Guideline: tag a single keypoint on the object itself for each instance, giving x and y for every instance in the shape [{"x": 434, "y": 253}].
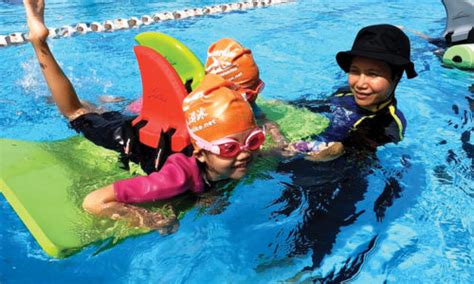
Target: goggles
[
  {"x": 251, "y": 94},
  {"x": 228, "y": 147}
]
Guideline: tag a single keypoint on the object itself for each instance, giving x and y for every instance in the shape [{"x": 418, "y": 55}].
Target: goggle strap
[
  {"x": 203, "y": 144},
  {"x": 241, "y": 53}
]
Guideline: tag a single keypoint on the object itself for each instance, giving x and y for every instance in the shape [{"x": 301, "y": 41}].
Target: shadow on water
[
  {"x": 328, "y": 193},
  {"x": 459, "y": 163}
]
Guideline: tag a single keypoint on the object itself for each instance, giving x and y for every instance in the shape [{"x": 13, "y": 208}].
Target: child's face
[
  {"x": 219, "y": 168},
  {"x": 370, "y": 81}
]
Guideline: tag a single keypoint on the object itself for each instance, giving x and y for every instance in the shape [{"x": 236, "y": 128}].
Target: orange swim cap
[
  {"x": 215, "y": 110},
  {"x": 230, "y": 60}
]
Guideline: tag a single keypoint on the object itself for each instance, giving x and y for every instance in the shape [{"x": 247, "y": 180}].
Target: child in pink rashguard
[
  {"x": 224, "y": 135},
  {"x": 219, "y": 119}
]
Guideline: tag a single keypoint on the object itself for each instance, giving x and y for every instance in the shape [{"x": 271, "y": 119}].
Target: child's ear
[{"x": 199, "y": 155}]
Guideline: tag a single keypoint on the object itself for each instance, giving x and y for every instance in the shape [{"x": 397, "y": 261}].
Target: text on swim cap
[
  {"x": 222, "y": 53},
  {"x": 197, "y": 115},
  {"x": 192, "y": 97},
  {"x": 204, "y": 125}
]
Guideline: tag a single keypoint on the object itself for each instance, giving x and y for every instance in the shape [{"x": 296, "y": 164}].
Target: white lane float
[{"x": 136, "y": 22}]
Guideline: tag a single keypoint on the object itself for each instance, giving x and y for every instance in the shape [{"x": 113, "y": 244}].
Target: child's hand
[
  {"x": 295, "y": 148},
  {"x": 157, "y": 221},
  {"x": 316, "y": 151},
  {"x": 307, "y": 147},
  {"x": 141, "y": 217},
  {"x": 326, "y": 152},
  {"x": 290, "y": 150},
  {"x": 170, "y": 229}
]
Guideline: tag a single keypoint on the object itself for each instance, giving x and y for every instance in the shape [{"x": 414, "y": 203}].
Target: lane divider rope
[{"x": 18, "y": 38}]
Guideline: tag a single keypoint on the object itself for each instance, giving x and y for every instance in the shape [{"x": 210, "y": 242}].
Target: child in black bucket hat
[{"x": 364, "y": 115}]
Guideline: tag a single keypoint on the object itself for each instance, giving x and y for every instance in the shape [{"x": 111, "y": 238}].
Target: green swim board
[
  {"x": 295, "y": 123},
  {"x": 45, "y": 183}
]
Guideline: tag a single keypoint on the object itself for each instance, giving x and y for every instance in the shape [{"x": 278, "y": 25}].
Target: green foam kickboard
[
  {"x": 295, "y": 123},
  {"x": 45, "y": 183}
]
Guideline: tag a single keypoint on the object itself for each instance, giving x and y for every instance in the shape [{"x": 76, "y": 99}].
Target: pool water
[{"x": 405, "y": 216}]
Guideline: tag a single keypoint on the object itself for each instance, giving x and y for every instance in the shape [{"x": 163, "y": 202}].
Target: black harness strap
[{"x": 150, "y": 159}]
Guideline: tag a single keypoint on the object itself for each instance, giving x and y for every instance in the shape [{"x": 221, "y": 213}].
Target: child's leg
[{"x": 61, "y": 88}]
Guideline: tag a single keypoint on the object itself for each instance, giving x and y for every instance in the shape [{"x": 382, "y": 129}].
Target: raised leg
[{"x": 61, "y": 88}]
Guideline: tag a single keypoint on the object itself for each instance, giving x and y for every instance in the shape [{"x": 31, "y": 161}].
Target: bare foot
[{"x": 35, "y": 19}]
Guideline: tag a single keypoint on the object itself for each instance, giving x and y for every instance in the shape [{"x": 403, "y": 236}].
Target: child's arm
[
  {"x": 275, "y": 132},
  {"x": 270, "y": 127},
  {"x": 102, "y": 202},
  {"x": 179, "y": 174},
  {"x": 61, "y": 88}
]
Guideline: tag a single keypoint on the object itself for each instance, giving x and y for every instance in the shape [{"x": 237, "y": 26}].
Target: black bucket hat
[{"x": 382, "y": 42}]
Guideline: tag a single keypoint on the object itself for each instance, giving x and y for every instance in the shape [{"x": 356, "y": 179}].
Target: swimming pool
[{"x": 408, "y": 218}]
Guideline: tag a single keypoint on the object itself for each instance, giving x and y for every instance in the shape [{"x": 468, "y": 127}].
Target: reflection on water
[{"x": 330, "y": 192}]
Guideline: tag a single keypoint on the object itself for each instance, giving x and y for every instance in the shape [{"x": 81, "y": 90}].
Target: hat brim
[{"x": 344, "y": 59}]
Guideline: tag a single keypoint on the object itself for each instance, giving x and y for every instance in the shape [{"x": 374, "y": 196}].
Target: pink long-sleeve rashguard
[{"x": 179, "y": 174}]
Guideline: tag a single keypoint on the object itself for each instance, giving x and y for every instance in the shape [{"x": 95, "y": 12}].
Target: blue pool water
[{"x": 406, "y": 217}]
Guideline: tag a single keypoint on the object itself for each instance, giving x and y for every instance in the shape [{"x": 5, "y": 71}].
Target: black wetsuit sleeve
[
  {"x": 373, "y": 132},
  {"x": 393, "y": 132}
]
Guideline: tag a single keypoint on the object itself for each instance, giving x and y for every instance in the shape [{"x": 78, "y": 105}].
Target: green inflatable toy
[{"x": 460, "y": 56}]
